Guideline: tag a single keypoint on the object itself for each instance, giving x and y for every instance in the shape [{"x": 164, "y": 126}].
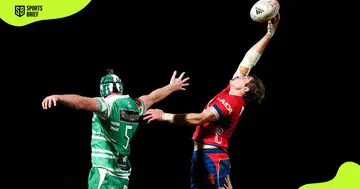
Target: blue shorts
[{"x": 209, "y": 168}]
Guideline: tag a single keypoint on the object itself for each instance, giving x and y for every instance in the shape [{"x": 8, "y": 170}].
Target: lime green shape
[
  {"x": 347, "y": 177},
  {"x": 24, "y": 12}
]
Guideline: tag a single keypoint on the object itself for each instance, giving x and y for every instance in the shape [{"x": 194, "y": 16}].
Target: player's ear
[{"x": 246, "y": 89}]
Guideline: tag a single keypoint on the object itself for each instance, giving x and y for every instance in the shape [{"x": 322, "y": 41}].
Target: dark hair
[
  {"x": 256, "y": 90},
  {"x": 110, "y": 71}
]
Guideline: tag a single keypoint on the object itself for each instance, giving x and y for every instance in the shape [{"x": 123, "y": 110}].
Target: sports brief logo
[
  {"x": 19, "y": 10},
  {"x": 28, "y": 11},
  {"x": 226, "y": 104}
]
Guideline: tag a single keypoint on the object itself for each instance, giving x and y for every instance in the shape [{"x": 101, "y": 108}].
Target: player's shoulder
[
  {"x": 236, "y": 102},
  {"x": 116, "y": 100},
  {"x": 235, "y": 99},
  {"x": 226, "y": 89},
  {"x": 100, "y": 100}
]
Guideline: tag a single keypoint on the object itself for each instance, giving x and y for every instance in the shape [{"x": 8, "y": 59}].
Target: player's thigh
[
  {"x": 217, "y": 167},
  {"x": 224, "y": 166},
  {"x": 204, "y": 172},
  {"x": 198, "y": 172}
]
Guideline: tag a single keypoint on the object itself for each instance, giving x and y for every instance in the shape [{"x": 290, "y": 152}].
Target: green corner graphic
[
  {"x": 347, "y": 177},
  {"x": 24, "y": 12}
]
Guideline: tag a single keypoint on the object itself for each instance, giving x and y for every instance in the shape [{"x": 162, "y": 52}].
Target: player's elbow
[
  {"x": 196, "y": 122},
  {"x": 201, "y": 119},
  {"x": 189, "y": 119},
  {"x": 88, "y": 104},
  {"x": 200, "y": 122}
]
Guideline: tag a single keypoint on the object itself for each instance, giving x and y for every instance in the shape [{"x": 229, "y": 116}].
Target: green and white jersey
[{"x": 113, "y": 127}]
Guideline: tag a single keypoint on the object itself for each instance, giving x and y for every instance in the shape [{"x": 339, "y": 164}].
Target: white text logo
[
  {"x": 226, "y": 104},
  {"x": 218, "y": 133}
]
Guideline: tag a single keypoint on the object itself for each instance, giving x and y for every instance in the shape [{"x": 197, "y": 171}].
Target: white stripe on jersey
[
  {"x": 103, "y": 156},
  {"x": 104, "y": 151},
  {"x": 115, "y": 123},
  {"x": 103, "y": 138},
  {"x": 115, "y": 170}
]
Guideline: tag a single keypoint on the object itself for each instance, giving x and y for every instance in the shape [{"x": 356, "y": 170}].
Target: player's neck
[
  {"x": 236, "y": 92},
  {"x": 113, "y": 94}
]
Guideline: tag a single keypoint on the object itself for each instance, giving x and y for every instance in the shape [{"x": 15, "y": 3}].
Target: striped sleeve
[{"x": 103, "y": 111}]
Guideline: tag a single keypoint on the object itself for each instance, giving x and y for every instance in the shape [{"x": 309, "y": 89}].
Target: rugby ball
[{"x": 264, "y": 10}]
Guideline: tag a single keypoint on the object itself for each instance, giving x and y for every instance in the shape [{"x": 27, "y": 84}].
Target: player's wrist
[
  {"x": 58, "y": 97},
  {"x": 167, "y": 117},
  {"x": 270, "y": 33},
  {"x": 170, "y": 87}
]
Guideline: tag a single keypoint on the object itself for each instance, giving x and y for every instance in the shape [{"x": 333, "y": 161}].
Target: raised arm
[
  {"x": 253, "y": 55},
  {"x": 189, "y": 119},
  {"x": 73, "y": 101},
  {"x": 161, "y": 93},
  {"x": 224, "y": 108}
]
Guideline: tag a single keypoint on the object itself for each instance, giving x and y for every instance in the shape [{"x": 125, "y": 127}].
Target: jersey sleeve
[
  {"x": 104, "y": 108},
  {"x": 226, "y": 107},
  {"x": 140, "y": 104}
]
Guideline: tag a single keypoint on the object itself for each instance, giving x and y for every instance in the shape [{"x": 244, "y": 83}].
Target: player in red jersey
[{"x": 216, "y": 123}]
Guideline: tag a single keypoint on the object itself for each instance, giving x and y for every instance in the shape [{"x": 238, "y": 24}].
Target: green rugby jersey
[{"x": 112, "y": 130}]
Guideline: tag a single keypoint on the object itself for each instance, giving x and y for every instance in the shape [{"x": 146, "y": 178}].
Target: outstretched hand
[
  {"x": 178, "y": 83},
  {"x": 272, "y": 24},
  {"x": 49, "y": 101},
  {"x": 153, "y": 114}
]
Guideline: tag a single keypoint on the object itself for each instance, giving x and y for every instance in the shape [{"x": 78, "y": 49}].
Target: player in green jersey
[{"x": 114, "y": 123}]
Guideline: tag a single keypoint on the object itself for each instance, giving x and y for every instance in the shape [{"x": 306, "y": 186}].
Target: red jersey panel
[{"x": 228, "y": 109}]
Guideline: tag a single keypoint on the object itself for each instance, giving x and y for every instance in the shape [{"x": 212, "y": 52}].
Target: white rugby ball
[{"x": 264, "y": 10}]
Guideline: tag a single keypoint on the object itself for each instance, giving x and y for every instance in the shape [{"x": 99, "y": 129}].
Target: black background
[{"x": 300, "y": 134}]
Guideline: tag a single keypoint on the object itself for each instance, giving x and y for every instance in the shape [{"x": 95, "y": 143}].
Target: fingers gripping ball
[{"x": 264, "y": 10}]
